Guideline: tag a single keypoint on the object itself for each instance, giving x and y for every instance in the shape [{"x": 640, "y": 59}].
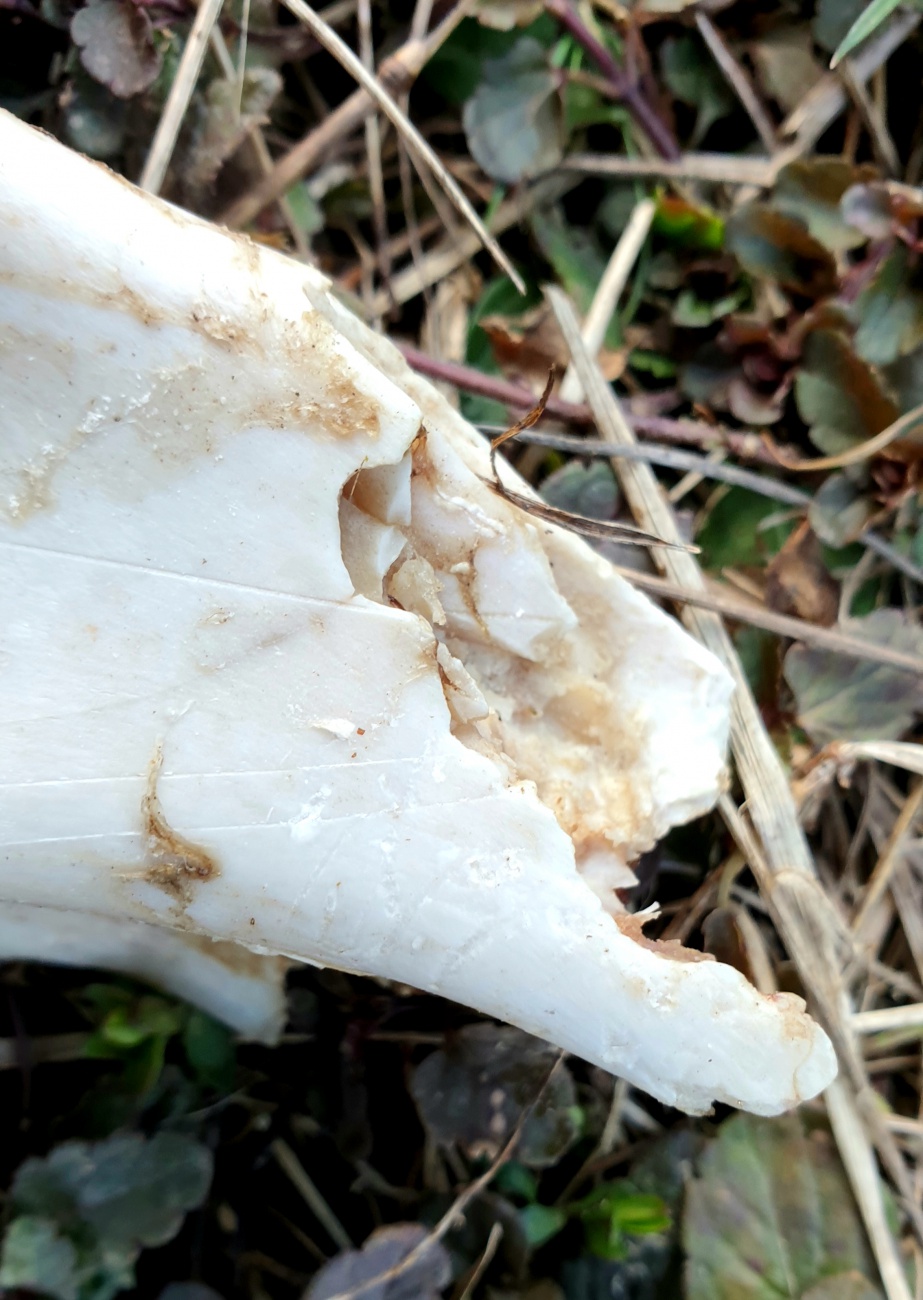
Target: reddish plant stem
[
  {"x": 621, "y": 86},
  {"x": 692, "y": 433}
]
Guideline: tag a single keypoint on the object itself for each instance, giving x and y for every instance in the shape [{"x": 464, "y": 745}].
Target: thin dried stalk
[
  {"x": 397, "y": 72},
  {"x": 689, "y": 462},
  {"x": 373, "y": 148},
  {"x": 883, "y": 145},
  {"x": 778, "y": 853},
  {"x": 25, "y": 1052},
  {"x": 723, "y": 169},
  {"x": 259, "y": 145},
  {"x": 887, "y": 1019},
  {"x": 748, "y": 446},
  {"x": 447, "y": 257},
  {"x": 738, "y": 80},
  {"x": 609, "y": 290},
  {"x": 419, "y": 25},
  {"x": 827, "y": 98},
  {"x": 455, "y": 1211},
  {"x": 772, "y": 809},
  {"x": 242, "y": 53},
  {"x": 747, "y": 611},
  {"x": 493, "y": 1241},
  {"x": 888, "y": 860},
  {"x": 187, "y": 74},
  {"x": 859, "y": 1162},
  {"x": 898, "y": 753},
  {"x": 899, "y": 428},
  {"x": 418, "y": 146},
  {"x": 293, "y": 1169}
]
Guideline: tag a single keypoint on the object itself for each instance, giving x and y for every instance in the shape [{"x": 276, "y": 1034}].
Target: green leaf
[
  {"x": 129, "y": 1190},
  {"x": 868, "y": 21},
  {"x": 779, "y": 248},
  {"x": 584, "y": 106},
  {"x": 209, "y": 1048},
  {"x": 589, "y": 490},
  {"x": 576, "y": 258},
  {"x": 456, "y": 69},
  {"x": 839, "y": 396},
  {"x": 513, "y": 120},
  {"x": 148, "y": 1017},
  {"x": 811, "y": 189},
  {"x": 650, "y": 363},
  {"x": 541, "y": 1222},
  {"x": 839, "y": 510},
  {"x": 514, "y": 1179},
  {"x": 35, "y": 1257},
  {"x": 617, "y": 1210},
  {"x": 604, "y": 1237},
  {"x": 838, "y": 698},
  {"x": 306, "y": 210},
  {"x": 770, "y": 1215},
  {"x": 785, "y": 59},
  {"x": 732, "y": 534},
  {"x": 692, "y": 312},
  {"x": 95, "y": 121},
  {"x": 889, "y": 313},
  {"x": 694, "y": 78},
  {"x": 833, "y": 19},
  {"x": 688, "y": 225}
]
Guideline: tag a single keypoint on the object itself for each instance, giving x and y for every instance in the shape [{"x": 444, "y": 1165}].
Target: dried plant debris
[{"x": 292, "y": 670}]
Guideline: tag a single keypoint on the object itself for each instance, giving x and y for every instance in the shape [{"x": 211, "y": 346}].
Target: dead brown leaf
[
  {"x": 529, "y": 345},
  {"x": 799, "y": 583}
]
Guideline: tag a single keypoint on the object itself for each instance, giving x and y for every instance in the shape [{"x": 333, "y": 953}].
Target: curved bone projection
[{"x": 280, "y": 669}]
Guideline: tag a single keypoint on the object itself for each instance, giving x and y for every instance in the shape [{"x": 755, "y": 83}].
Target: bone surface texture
[{"x": 280, "y": 670}]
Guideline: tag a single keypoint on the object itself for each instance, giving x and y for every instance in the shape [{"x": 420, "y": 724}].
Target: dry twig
[
  {"x": 723, "y": 169},
  {"x": 418, "y": 146},
  {"x": 898, "y": 429},
  {"x": 294, "y": 1170},
  {"x": 187, "y": 74},
  {"x": 747, "y": 611},
  {"x": 888, "y": 860},
  {"x": 737, "y": 79},
  {"x": 397, "y": 73},
  {"x": 777, "y": 852},
  {"x": 609, "y": 289}
]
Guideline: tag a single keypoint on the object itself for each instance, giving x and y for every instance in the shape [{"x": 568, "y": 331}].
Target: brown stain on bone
[
  {"x": 176, "y": 865},
  {"x": 632, "y": 926},
  {"x": 179, "y": 414},
  {"x": 345, "y": 411}
]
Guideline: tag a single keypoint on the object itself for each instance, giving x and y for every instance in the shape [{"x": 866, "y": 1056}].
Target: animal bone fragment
[{"x": 278, "y": 669}]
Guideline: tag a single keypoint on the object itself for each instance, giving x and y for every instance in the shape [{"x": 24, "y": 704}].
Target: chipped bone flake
[{"x": 393, "y": 715}]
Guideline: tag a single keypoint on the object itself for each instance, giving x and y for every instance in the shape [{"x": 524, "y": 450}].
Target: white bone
[{"x": 214, "y": 482}]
